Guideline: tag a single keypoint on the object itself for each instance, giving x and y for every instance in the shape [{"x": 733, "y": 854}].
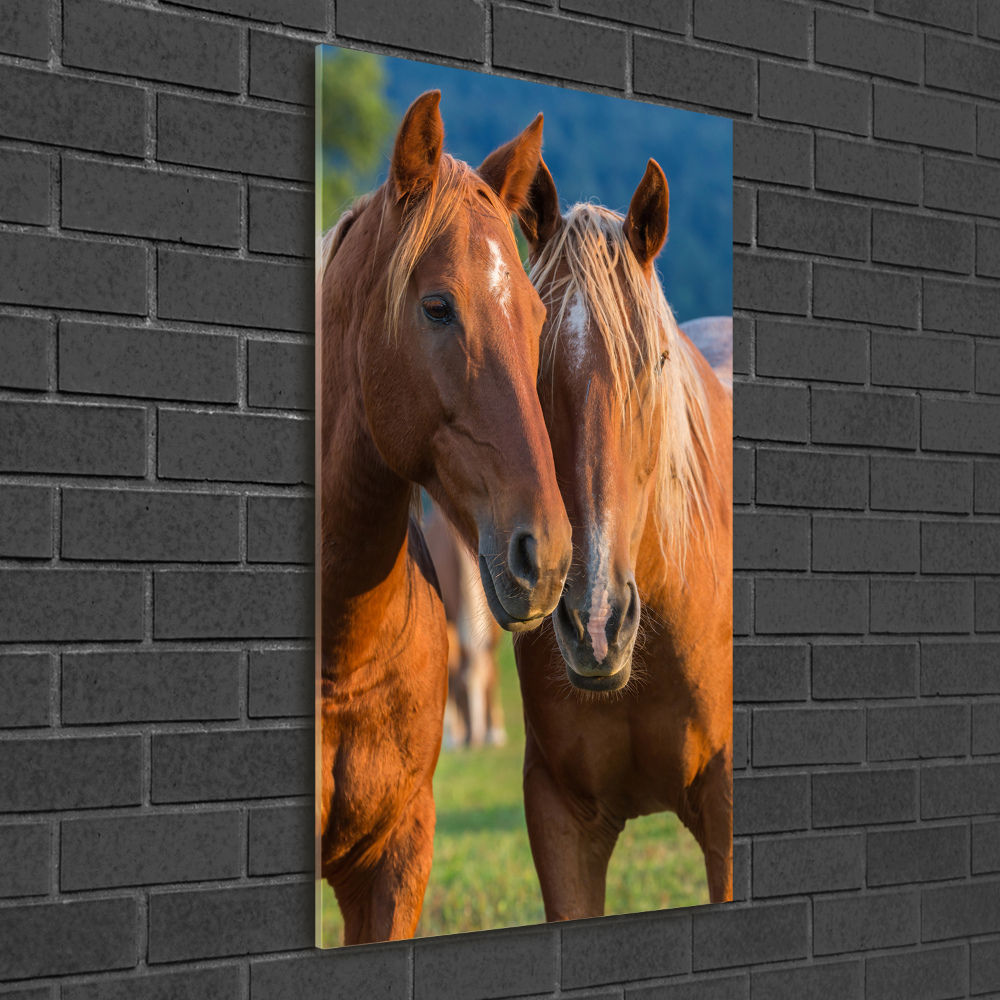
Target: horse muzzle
[
  {"x": 597, "y": 640},
  {"x": 525, "y": 588}
]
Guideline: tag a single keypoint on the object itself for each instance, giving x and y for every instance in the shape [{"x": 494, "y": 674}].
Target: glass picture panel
[{"x": 524, "y": 502}]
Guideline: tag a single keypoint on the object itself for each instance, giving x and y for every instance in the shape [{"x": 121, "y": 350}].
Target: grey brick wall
[{"x": 156, "y": 499}]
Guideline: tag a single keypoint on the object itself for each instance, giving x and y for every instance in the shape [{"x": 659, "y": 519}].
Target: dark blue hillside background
[{"x": 597, "y": 148}]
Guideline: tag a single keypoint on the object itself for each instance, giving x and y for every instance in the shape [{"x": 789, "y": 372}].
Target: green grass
[{"x": 483, "y": 876}]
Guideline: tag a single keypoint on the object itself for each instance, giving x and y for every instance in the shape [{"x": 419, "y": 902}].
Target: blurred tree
[{"x": 356, "y": 123}]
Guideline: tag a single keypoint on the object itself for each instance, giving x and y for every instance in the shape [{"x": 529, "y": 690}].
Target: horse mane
[
  {"x": 425, "y": 218},
  {"x": 601, "y": 272},
  {"x": 328, "y": 243}
]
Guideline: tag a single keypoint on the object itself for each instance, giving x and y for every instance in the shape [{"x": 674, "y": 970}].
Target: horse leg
[
  {"x": 497, "y": 731},
  {"x": 711, "y": 821},
  {"x": 571, "y": 843},
  {"x": 462, "y": 697},
  {"x": 386, "y": 905},
  {"x": 450, "y": 738},
  {"x": 476, "y": 686}
]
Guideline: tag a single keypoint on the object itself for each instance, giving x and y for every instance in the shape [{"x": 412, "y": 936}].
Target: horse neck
[{"x": 365, "y": 505}]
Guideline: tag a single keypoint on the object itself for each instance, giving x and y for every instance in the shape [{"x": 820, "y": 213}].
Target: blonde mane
[
  {"x": 425, "y": 219},
  {"x": 600, "y": 269}
]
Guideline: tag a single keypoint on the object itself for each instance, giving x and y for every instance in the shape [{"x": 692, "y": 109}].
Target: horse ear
[
  {"x": 539, "y": 217},
  {"x": 646, "y": 223},
  {"x": 417, "y": 153},
  {"x": 510, "y": 169}
]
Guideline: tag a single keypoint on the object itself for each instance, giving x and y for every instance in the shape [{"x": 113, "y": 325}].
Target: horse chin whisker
[{"x": 638, "y": 679}]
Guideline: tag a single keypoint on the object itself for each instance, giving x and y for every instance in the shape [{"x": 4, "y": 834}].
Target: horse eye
[
  {"x": 663, "y": 359},
  {"x": 436, "y": 309}
]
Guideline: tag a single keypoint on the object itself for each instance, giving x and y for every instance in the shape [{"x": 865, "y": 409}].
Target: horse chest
[{"x": 638, "y": 753}]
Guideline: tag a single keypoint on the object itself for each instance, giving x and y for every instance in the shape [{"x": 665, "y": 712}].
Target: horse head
[
  {"x": 613, "y": 392},
  {"x": 447, "y": 352}
]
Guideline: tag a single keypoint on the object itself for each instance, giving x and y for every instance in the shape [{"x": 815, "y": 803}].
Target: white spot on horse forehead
[{"x": 499, "y": 277}]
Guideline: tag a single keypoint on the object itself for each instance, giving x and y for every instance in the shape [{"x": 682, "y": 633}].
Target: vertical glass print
[{"x": 524, "y": 502}]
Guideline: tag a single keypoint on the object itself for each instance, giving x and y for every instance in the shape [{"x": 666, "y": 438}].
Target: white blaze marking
[
  {"x": 600, "y": 608},
  {"x": 577, "y": 320},
  {"x": 598, "y": 620},
  {"x": 499, "y": 278}
]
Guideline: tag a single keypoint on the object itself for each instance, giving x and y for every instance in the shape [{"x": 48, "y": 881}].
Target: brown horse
[
  {"x": 474, "y": 713},
  {"x": 429, "y": 332},
  {"x": 641, "y": 433}
]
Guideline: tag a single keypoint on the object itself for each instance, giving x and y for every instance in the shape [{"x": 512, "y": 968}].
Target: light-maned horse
[
  {"x": 635, "y": 716},
  {"x": 474, "y": 713},
  {"x": 428, "y": 355}
]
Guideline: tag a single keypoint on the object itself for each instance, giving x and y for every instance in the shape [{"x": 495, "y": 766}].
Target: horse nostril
[
  {"x": 522, "y": 559},
  {"x": 624, "y": 620},
  {"x": 570, "y": 620},
  {"x": 632, "y": 611}
]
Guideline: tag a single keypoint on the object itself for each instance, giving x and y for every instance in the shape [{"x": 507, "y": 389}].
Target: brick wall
[{"x": 155, "y": 497}]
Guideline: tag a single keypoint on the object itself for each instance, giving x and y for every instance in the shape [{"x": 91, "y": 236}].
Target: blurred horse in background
[
  {"x": 713, "y": 336},
  {"x": 474, "y": 713}
]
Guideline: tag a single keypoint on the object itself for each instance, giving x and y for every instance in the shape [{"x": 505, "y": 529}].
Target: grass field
[{"x": 483, "y": 876}]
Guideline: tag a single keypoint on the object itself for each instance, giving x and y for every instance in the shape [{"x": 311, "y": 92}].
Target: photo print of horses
[{"x": 524, "y": 505}]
